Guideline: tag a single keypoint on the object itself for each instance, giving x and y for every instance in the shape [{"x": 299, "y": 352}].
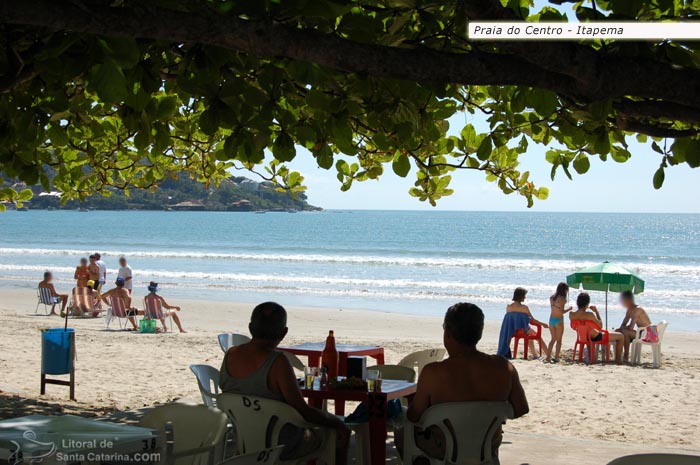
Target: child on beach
[
  {"x": 556, "y": 320},
  {"x": 517, "y": 306}
]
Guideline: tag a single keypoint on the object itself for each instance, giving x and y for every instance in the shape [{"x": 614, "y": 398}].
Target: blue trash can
[{"x": 56, "y": 351}]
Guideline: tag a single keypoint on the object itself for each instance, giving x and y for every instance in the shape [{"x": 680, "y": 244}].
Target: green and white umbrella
[{"x": 607, "y": 277}]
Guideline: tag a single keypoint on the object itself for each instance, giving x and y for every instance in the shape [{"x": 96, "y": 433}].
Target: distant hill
[{"x": 235, "y": 194}]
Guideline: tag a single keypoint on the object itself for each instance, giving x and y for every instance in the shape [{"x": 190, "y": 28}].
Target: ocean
[{"x": 412, "y": 262}]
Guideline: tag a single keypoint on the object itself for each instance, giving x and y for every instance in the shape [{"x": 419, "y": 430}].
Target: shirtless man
[
  {"x": 636, "y": 317},
  {"x": 62, "y": 298},
  {"x": 119, "y": 291},
  {"x": 466, "y": 375}
]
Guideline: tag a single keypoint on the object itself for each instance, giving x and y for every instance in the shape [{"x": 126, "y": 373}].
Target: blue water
[{"x": 408, "y": 262}]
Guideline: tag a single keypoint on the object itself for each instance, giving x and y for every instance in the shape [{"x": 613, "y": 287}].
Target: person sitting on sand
[
  {"x": 556, "y": 320},
  {"x": 635, "y": 317},
  {"x": 152, "y": 300},
  {"x": 257, "y": 368},
  {"x": 120, "y": 291},
  {"x": 82, "y": 275},
  {"x": 47, "y": 283},
  {"x": 80, "y": 307},
  {"x": 583, "y": 302},
  {"x": 466, "y": 375},
  {"x": 517, "y": 306}
]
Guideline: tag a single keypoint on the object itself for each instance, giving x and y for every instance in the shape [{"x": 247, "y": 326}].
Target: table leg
[
  {"x": 314, "y": 360},
  {"x": 380, "y": 357},
  {"x": 340, "y": 407},
  {"x": 377, "y": 427}
]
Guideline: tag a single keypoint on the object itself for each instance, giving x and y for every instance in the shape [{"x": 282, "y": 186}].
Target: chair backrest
[
  {"x": 258, "y": 421},
  {"x": 583, "y": 333},
  {"x": 468, "y": 427},
  {"x": 661, "y": 328},
  {"x": 657, "y": 459},
  {"x": 152, "y": 308},
  {"x": 228, "y": 340},
  {"x": 83, "y": 300},
  {"x": 194, "y": 434},
  {"x": 418, "y": 360},
  {"x": 208, "y": 381},
  {"x": 45, "y": 296},
  {"x": 266, "y": 456},
  {"x": 395, "y": 372},
  {"x": 118, "y": 306},
  {"x": 295, "y": 361}
]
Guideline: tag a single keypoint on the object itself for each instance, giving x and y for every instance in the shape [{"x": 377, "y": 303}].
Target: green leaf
[
  {"x": 209, "y": 121},
  {"x": 484, "y": 151},
  {"x": 401, "y": 165},
  {"x": 582, "y": 164},
  {"x": 25, "y": 195},
  {"x": 659, "y": 178},
  {"x": 108, "y": 80},
  {"x": 57, "y": 135},
  {"x": 283, "y": 148}
]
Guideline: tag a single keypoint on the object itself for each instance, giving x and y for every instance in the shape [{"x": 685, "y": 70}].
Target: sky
[{"x": 607, "y": 187}]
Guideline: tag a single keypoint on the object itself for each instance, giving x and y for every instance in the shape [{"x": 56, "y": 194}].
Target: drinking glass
[
  {"x": 374, "y": 380},
  {"x": 310, "y": 374}
]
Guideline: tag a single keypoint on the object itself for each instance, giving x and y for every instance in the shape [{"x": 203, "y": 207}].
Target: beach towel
[{"x": 511, "y": 323}]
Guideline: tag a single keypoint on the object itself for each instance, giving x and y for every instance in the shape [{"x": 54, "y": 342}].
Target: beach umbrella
[{"x": 608, "y": 277}]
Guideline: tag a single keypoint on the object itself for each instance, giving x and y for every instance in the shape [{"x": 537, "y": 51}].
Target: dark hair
[
  {"x": 627, "y": 295},
  {"x": 97, "y": 255},
  {"x": 92, "y": 257},
  {"x": 268, "y": 321},
  {"x": 83, "y": 260},
  {"x": 47, "y": 274},
  {"x": 562, "y": 290},
  {"x": 583, "y": 300},
  {"x": 465, "y": 323},
  {"x": 519, "y": 294}
]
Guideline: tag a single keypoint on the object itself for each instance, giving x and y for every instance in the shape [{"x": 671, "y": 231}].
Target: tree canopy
[{"x": 128, "y": 94}]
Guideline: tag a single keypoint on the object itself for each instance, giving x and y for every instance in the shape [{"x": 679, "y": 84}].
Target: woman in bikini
[
  {"x": 517, "y": 306},
  {"x": 556, "y": 319},
  {"x": 82, "y": 275},
  {"x": 596, "y": 330}
]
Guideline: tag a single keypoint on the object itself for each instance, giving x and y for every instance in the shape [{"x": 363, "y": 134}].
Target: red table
[
  {"x": 376, "y": 406},
  {"x": 313, "y": 351}
]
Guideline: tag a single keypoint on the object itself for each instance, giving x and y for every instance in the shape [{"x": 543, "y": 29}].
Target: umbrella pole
[{"x": 606, "y": 309}]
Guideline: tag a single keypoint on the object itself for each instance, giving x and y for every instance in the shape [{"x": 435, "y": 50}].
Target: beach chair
[
  {"x": 117, "y": 310},
  {"x": 418, "y": 360},
  {"x": 655, "y": 346},
  {"x": 397, "y": 372},
  {"x": 153, "y": 310},
  {"x": 522, "y": 334},
  {"x": 264, "y": 457},
  {"x": 259, "y": 421},
  {"x": 208, "y": 382},
  {"x": 83, "y": 304},
  {"x": 228, "y": 340},
  {"x": 657, "y": 459},
  {"x": 193, "y": 434},
  {"x": 469, "y": 428},
  {"x": 45, "y": 298},
  {"x": 583, "y": 340}
]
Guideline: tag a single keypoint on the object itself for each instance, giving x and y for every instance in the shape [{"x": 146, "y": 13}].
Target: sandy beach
[{"x": 609, "y": 405}]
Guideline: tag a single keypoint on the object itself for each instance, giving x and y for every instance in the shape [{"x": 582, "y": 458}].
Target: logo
[{"x": 32, "y": 449}]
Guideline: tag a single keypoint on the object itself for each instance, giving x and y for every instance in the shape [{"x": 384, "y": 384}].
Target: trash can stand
[{"x": 71, "y": 365}]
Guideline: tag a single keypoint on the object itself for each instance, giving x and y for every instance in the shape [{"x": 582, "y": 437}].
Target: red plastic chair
[
  {"x": 583, "y": 339},
  {"x": 522, "y": 334}
]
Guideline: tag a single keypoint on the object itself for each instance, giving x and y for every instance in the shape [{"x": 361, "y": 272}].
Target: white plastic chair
[
  {"x": 418, "y": 360},
  {"x": 655, "y": 346},
  {"x": 396, "y": 372},
  {"x": 44, "y": 297},
  {"x": 657, "y": 459},
  {"x": 228, "y": 340},
  {"x": 259, "y": 421},
  {"x": 194, "y": 434},
  {"x": 267, "y": 457},
  {"x": 469, "y": 428},
  {"x": 208, "y": 382}
]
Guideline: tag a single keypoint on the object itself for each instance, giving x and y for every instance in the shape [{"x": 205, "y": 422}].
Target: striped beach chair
[
  {"x": 153, "y": 310},
  {"x": 117, "y": 310},
  {"x": 83, "y": 303},
  {"x": 45, "y": 298}
]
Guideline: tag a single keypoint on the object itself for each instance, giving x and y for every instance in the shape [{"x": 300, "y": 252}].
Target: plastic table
[
  {"x": 313, "y": 350},
  {"x": 68, "y": 439},
  {"x": 376, "y": 406}
]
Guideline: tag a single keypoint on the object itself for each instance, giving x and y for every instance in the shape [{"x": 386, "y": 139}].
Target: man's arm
[
  {"x": 517, "y": 394},
  {"x": 53, "y": 290},
  {"x": 105, "y": 296},
  {"x": 421, "y": 401},
  {"x": 626, "y": 320},
  {"x": 286, "y": 381}
]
